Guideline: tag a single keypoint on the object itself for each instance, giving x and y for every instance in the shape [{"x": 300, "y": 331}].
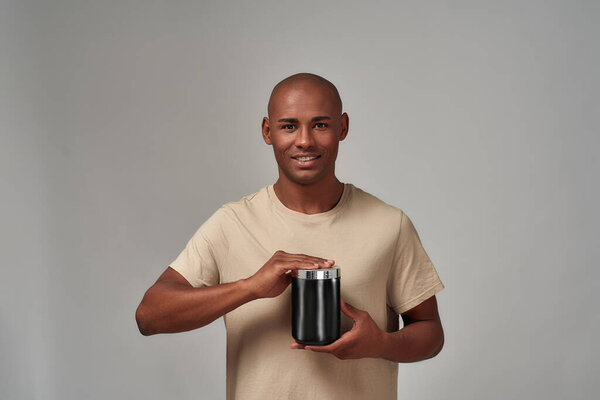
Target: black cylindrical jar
[{"x": 316, "y": 306}]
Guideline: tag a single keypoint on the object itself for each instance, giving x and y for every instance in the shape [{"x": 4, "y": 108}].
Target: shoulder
[
  {"x": 226, "y": 218},
  {"x": 250, "y": 204},
  {"x": 370, "y": 205}
]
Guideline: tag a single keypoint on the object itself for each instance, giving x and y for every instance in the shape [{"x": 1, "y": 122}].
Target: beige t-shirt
[{"x": 382, "y": 263}]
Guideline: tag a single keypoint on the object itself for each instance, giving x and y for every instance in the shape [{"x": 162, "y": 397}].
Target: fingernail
[{"x": 331, "y": 261}]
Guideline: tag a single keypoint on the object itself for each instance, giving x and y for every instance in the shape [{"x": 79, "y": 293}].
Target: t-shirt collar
[{"x": 309, "y": 217}]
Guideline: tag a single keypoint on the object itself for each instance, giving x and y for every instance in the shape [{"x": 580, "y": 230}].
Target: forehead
[{"x": 294, "y": 101}]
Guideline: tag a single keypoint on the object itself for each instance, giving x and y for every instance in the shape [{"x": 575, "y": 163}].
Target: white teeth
[{"x": 305, "y": 158}]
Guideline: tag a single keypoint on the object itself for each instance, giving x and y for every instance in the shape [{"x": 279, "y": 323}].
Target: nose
[{"x": 304, "y": 137}]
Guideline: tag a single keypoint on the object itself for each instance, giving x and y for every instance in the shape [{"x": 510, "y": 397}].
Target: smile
[
  {"x": 305, "y": 158},
  {"x": 306, "y": 161}
]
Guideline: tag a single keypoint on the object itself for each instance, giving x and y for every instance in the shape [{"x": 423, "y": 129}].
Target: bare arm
[
  {"x": 422, "y": 336},
  {"x": 173, "y": 305}
]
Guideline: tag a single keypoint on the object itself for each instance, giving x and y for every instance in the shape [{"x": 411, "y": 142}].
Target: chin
[
  {"x": 307, "y": 179},
  {"x": 303, "y": 179}
]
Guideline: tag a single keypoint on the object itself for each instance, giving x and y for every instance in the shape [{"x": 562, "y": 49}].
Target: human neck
[{"x": 314, "y": 198}]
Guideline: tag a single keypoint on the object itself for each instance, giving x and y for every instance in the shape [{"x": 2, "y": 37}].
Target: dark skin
[
  {"x": 173, "y": 305},
  {"x": 305, "y": 119},
  {"x": 421, "y": 337}
]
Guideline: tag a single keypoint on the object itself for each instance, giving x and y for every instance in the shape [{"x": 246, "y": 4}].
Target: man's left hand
[{"x": 365, "y": 339}]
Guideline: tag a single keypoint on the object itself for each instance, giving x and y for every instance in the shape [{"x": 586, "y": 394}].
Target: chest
[{"x": 364, "y": 256}]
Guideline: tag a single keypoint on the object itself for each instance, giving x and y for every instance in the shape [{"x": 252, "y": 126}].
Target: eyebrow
[{"x": 319, "y": 118}]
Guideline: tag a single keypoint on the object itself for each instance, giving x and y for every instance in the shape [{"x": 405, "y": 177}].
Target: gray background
[{"x": 125, "y": 124}]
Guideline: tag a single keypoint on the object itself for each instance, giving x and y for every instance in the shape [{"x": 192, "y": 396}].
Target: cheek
[
  {"x": 280, "y": 150},
  {"x": 280, "y": 143},
  {"x": 331, "y": 146}
]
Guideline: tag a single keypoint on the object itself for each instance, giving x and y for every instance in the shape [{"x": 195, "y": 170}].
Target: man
[{"x": 237, "y": 264}]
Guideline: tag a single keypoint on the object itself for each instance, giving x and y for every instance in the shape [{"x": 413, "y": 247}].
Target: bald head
[{"x": 302, "y": 80}]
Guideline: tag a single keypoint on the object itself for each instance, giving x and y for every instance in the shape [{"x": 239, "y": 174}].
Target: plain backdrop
[{"x": 126, "y": 124}]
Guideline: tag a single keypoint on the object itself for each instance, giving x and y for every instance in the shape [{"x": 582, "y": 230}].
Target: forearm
[
  {"x": 171, "y": 307},
  {"x": 417, "y": 341}
]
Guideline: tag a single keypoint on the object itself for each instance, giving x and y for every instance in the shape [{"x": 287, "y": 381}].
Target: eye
[
  {"x": 287, "y": 127},
  {"x": 320, "y": 125}
]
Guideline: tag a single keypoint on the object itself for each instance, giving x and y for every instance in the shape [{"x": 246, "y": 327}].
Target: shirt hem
[
  {"x": 420, "y": 298},
  {"x": 194, "y": 282}
]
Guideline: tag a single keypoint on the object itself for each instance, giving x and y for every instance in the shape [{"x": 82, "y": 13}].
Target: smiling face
[{"x": 305, "y": 126}]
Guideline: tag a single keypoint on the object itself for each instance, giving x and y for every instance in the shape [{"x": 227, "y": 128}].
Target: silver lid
[{"x": 324, "y": 273}]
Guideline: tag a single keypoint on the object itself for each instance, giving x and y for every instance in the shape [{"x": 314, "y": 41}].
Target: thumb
[{"x": 348, "y": 309}]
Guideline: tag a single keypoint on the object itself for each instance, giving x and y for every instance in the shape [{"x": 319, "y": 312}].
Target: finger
[
  {"x": 316, "y": 263},
  {"x": 305, "y": 265},
  {"x": 312, "y": 259},
  {"x": 333, "y": 347},
  {"x": 287, "y": 266},
  {"x": 296, "y": 345},
  {"x": 321, "y": 262},
  {"x": 322, "y": 349},
  {"x": 348, "y": 309},
  {"x": 300, "y": 265},
  {"x": 306, "y": 256}
]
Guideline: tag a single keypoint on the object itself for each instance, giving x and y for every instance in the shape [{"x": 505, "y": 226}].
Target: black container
[{"x": 316, "y": 306}]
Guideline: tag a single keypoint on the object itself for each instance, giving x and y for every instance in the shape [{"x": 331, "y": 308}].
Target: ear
[
  {"x": 266, "y": 131},
  {"x": 345, "y": 123}
]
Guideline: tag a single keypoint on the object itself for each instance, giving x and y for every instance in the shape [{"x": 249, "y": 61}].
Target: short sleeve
[
  {"x": 413, "y": 278},
  {"x": 199, "y": 261}
]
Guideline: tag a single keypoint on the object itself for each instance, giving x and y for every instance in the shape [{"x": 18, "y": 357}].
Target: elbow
[
  {"x": 439, "y": 345},
  {"x": 141, "y": 319}
]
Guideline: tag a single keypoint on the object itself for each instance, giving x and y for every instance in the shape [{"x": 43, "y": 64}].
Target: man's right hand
[
  {"x": 273, "y": 277},
  {"x": 173, "y": 305}
]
